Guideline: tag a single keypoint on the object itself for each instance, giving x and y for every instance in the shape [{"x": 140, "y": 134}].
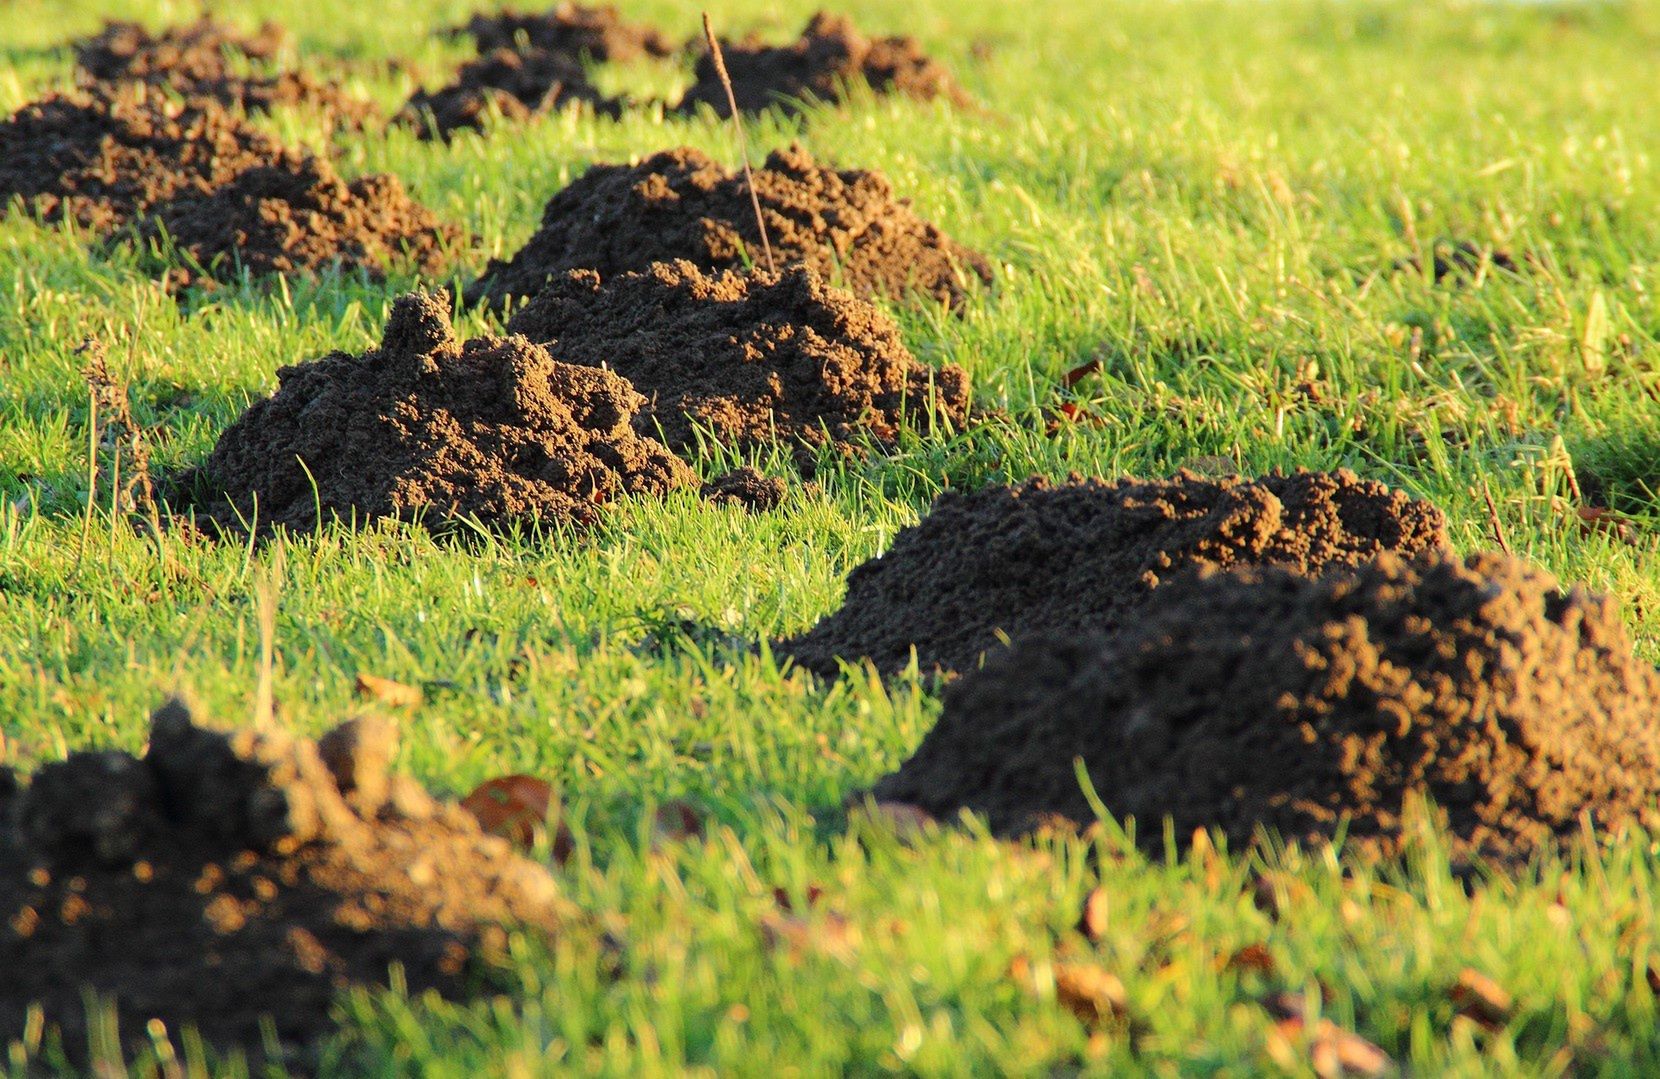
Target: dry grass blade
[
  {"x": 743, "y": 144},
  {"x": 1493, "y": 518}
]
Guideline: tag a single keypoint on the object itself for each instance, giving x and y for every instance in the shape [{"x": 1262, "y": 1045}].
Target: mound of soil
[
  {"x": 575, "y": 31},
  {"x": 680, "y": 204},
  {"x": 300, "y": 216},
  {"x": 517, "y": 84},
  {"x": 100, "y": 158},
  {"x": 818, "y": 67},
  {"x": 428, "y": 427},
  {"x": 195, "y": 61},
  {"x": 753, "y": 358},
  {"x": 747, "y": 487},
  {"x": 1086, "y": 554},
  {"x": 1265, "y": 698},
  {"x": 225, "y": 879}
]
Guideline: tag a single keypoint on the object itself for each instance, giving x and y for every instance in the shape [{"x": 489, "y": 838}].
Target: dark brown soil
[
  {"x": 428, "y": 427},
  {"x": 100, "y": 158},
  {"x": 680, "y": 204},
  {"x": 300, "y": 216},
  {"x": 1083, "y": 555},
  {"x": 1265, "y": 698},
  {"x": 748, "y": 487},
  {"x": 754, "y": 359},
  {"x": 225, "y": 879},
  {"x": 517, "y": 84},
  {"x": 195, "y": 60},
  {"x": 817, "y": 67},
  {"x": 575, "y": 31}
]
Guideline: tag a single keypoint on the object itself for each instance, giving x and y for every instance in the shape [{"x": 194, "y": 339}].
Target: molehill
[
  {"x": 753, "y": 358},
  {"x": 426, "y": 426},
  {"x": 516, "y": 84},
  {"x": 1079, "y": 556},
  {"x": 818, "y": 66},
  {"x": 680, "y": 204},
  {"x": 225, "y": 879},
  {"x": 575, "y": 31},
  {"x": 1266, "y": 698}
]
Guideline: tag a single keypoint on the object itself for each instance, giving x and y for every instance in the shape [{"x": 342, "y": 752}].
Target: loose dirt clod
[
  {"x": 817, "y": 67},
  {"x": 756, "y": 359},
  {"x": 748, "y": 487},
  {"x": 1082, "y": 555},
  {"x": 516, "y": 84},
  {"x": 426, "y": 426},
  {"x": 301, "y": 216},
  {"x": 680, "y": 204},
  {"x": 195, "y": 61},
  {"x": 1266, "y": 698},
  {"x": 101, "y": 157},
  {"x": 575, "y": 31},
  {"x": 227, "y": 879}
]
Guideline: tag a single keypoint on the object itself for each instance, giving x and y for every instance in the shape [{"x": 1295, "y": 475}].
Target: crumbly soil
[
  {"x": 754, "y": 359},
  {"x": 428, "y": 427},
  {"x": 747, "y": 487},
  {"x": 575, "y": 31},
  {"x": 1266, "y": 698},
  {"x": 680, "y": 204},
  {"x": 301, "y": 216},
  {"x": 1066, "y": 558},
  {"x": 101, "y": 157},
  {"x": 225, "y": 879},
  {"x": 818, "y": 67},
  {"x": 516, "y": 84},
  {"x": 195, "y": 60}
]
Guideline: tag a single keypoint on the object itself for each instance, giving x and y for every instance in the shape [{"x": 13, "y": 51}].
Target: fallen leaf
[
  {"x": 513, "y": 807},
  {"x": 1334, "y": 1052},
  {"x": 1481, "y": 1000},
  {"x": 1089, "y": 992},
  {"x": 1079, "y": 373},
  {"x": 782, "y": 897},
  {"x": 1253, "y": 957},
  {"x": 1602, "y": 519},
  {"x": 1093, "y": 922},
  {"x": 387, "y": 692}
]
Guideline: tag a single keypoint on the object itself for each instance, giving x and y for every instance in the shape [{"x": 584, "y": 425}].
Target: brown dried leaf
[
  {"x": 1079, "y": 373},
  {"x": 1482, "y": 1000},
  {"x": 1094, "y": 920},
  {"x": 782, "y": 897},
  {"x": 1253, "y": 957},
  {"x": 387, "y": 692},
  {"x": 1602, "y": 519},
  {"x": 1089, "y": 992}
]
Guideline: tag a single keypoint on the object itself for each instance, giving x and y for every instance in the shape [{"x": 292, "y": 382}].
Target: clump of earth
[
  {"x": 747, "y": 488},
  {"x": 680, "y": 204},
  {"x": 100, "y": 158},
  {"x": 514, "y": 84},
  {"x": 225, "y": 880},
  {"x": 1086, "y": 555},
  {"x": 1266, "y": 698},
  {"x": 196, "y": 60},
  {"x": 300, "y": 216},
  {"x": 432, "y": 428},
  {"x": 819, "y": 66},
  {"x": 575, "y": 31},
  {"x": 751, "y": 359}
]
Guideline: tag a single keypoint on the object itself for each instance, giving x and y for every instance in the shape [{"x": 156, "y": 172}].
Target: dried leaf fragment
[{"x": 385, "y": 691}]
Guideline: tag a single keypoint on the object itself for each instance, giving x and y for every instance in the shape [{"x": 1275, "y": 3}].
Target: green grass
[{"x": 1216, "y": 200}]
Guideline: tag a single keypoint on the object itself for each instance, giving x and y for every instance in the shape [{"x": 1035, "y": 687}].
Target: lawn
[{"x": 1233, "y": 207}]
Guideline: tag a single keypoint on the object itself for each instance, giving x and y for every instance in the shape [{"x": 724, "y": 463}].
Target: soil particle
[
  {"x": 753, "y": 358},
  {"x": 298, "y": 216},
  {"x": 228, "y": 878},
  {"x": 680, "y": 204},
  {"x": 195, "y": 60},
  {"x": 101, "y": 157},
  {"x": 1078, "y": 556},
  {"x": 516, "y": 84},
  {"x": 426, "y": 426},
  {"x": 746, "y": 487},
  {"x": 1264, "y": 697},
  {"x": 818, "y": 66},
  {"x": 575, "y": 31}
]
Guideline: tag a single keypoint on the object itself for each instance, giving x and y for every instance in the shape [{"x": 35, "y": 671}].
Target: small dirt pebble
[
  {"x": 755, "y": 359},
  {"x": 1263, "y": 697},
  {"x": 428, "y": 426},
  {"x": 1007, "y": 562},
  {"x": 680, "y": 204}
]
